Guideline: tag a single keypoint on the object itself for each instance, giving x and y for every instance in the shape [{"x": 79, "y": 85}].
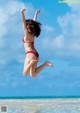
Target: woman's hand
[
  {"x": 23, "y": 10},
  {"x": 37, "y": 12}
]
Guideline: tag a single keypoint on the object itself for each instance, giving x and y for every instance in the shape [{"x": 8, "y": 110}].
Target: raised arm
[
  {"x": 35, "y": 16},
  {"x": 23, "y": 19}
]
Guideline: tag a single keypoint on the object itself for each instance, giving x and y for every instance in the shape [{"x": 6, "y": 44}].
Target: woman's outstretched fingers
[
  {"x": 23, "y": 10},
  {"x": 38, "y": 11}
]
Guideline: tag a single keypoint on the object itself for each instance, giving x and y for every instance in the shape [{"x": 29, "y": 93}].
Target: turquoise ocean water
[{"x": 40, "y": 105}]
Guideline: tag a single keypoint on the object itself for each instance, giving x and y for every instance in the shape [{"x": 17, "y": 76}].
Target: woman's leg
[
  {"x": 27, "y": 66},
  {"x": 34, "y": 70}
]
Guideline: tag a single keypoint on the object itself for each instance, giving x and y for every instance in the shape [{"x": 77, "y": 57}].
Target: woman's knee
[
  {"x": 24, "y": 73},
  {"x": 32, "y": 75}
]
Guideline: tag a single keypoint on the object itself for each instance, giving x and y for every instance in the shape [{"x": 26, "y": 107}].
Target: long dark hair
[{"x": 36, "y": 29}]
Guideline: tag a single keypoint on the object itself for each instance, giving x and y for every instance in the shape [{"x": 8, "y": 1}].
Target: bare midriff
[{"x": 29, "y": 47}]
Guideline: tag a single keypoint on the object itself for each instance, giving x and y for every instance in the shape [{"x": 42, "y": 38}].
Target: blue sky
[{"x": 58, "y": 43}]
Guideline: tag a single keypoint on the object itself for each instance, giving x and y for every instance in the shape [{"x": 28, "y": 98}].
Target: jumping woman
[{"x": 32, "y": 29}]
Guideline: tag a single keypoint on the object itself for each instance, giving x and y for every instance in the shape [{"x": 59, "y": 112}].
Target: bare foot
[{"x": 48, "y": 64}]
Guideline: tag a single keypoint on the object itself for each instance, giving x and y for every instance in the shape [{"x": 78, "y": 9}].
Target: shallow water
[{"x": 40, "y": 105}]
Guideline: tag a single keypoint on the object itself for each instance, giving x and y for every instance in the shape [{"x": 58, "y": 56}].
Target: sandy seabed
[{"x": 40, "y": 105}]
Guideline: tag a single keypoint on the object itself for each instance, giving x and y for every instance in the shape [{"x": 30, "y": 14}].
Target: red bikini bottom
[{"x": 33, "y": 52}]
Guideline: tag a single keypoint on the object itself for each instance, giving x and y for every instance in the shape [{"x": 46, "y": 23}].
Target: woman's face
[{"x": 30, "y": 28}]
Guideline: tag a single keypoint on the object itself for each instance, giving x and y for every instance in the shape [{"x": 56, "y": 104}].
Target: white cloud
[
  {"x": 70, "y": 23},
  {"x": 75, "y": 7},
  {"x": 48, "y": 28},
  {"x": 11, "y": 30},
  {"x": 68, "y": 42},
  {"x": 57, "y": 43}
]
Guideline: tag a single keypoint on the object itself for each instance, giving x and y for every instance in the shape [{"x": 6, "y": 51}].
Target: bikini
[{"x": 33, "y": 52}]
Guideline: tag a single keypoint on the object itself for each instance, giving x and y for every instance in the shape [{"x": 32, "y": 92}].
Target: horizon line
[{"x": 36, "y": 97}]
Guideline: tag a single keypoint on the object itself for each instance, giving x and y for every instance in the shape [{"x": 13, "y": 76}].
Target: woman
[{"x": 31, "y": 30}]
